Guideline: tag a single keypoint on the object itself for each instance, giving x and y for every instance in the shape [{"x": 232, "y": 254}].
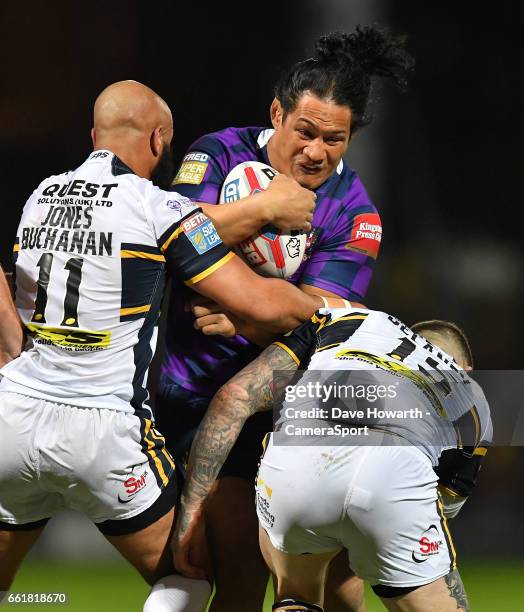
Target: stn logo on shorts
[
  {"x": 132, "y": 487},
  {"x": 428, "y": 545}
]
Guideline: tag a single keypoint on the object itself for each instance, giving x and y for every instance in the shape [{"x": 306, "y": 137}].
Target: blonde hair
[{"x": 448, "y": 336}]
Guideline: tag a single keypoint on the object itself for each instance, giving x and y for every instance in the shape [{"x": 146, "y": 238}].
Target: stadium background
[{"x": 441, "y": 163}]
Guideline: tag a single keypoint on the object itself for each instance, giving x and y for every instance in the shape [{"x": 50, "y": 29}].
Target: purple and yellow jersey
[{"x": 339, "y": 257}]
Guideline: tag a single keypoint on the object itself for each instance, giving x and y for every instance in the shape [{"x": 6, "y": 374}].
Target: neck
[{"x": 131, "y": 153}]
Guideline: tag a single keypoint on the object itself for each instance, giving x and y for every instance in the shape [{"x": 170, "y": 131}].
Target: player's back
[
  {"x": 89, "y": 280},
  {"x": 425, "y": 397}
]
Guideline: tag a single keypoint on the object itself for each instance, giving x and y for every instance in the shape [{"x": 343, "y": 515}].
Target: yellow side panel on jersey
[{"x": 77, "y": 339}]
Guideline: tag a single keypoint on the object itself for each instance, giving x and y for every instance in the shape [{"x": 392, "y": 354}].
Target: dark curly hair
[{"x": 342, "y": 68}]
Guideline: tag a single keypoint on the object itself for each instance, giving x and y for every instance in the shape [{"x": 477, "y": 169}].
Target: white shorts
[
  {"x": 380, "y": 503},
  {"x": 110, "y": 465}
]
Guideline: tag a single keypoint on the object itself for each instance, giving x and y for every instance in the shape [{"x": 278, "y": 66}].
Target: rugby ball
[{"x": 270, "y": 251}]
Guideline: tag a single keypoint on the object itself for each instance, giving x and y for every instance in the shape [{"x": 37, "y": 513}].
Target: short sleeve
[
  {"x": 185, "y": 236},
  {"x": 203, "y": 171},
  {"x": 344, "y": 258},
  {"x": 301, "y": 342}
]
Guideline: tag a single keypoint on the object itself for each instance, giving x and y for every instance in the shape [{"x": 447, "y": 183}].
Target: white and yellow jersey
[
  {"x": 91, "y": 255},
  {"x": 366, "y": 368}
]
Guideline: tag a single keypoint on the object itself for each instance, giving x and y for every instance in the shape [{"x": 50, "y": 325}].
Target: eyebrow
[{"x": 341, "y": 132}]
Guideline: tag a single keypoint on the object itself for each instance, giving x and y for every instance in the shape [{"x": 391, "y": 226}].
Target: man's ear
[
  {"x": 93, "y": 137},
  {"x": 156, "y": 142},
  {"x": 276, "y": 113}
]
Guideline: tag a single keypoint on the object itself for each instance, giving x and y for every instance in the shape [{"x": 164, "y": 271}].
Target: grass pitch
[{"x": 492, "y": 585}]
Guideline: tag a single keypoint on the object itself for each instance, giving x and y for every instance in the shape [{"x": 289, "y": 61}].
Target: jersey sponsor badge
[
  {"x": 201, "y": 233},
  {"x": 193, "y": 169},
  {"x": 366, "y": 234}
]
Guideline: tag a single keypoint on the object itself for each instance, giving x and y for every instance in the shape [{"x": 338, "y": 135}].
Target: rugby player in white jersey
[
  {"x": 384, "y": 498},
  {"x": 92, "y": 250}
]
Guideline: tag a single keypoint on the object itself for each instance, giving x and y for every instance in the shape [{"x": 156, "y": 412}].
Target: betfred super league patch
[
  {"x": 366, "y": 234},
  {"x": 201, "y": 232},
  {"x": 193, "y": 169}
]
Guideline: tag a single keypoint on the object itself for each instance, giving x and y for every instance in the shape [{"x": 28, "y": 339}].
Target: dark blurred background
[{"x": 443, "y": 162}]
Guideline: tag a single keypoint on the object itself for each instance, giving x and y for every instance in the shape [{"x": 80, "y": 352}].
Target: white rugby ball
[{"x": 270, "y": 251}]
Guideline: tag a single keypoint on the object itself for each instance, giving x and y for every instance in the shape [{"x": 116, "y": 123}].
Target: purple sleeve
[
  {"x": 342, "y": 262},
  {"x": 203, "y": 171}
]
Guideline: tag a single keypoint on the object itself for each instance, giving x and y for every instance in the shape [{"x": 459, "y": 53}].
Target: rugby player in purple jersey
[{"x": 319, "y": 104}]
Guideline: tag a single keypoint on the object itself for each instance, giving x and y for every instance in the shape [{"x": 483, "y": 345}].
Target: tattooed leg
[
  {"x": 457, "y": 590},
  {"x": 445, "y": 595}
]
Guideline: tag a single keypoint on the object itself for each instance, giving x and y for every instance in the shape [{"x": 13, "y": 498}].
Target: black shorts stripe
[
  {"x": 152, "y": 449},
  {"x": 24, "y": 526}
]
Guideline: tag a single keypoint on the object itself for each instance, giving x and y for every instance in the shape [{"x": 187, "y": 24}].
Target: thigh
[
  {"x": 445, "y": 595},
  {"x": 344, "y": 590},
  {"x": 14, "y": 546},
  {"x": 299, "y": 577},
  {"x": 232, "y": 528},
  {"x": 148, "y": 549}
]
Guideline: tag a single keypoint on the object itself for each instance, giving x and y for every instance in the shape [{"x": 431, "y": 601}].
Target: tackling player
[
  {"x": 92, "y": 250},
  {"x": 319, "y": 104},
  {"x": 377, "y": 499}
]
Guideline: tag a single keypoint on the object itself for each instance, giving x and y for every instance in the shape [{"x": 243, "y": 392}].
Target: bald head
[{"x": 133, "y": 122}]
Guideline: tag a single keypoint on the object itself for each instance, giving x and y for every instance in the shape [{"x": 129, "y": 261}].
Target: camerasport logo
[
  {"x": 429, "y": 544},
  {"x": 132, "y": 487},
  {"x": 366, "y": 234}
]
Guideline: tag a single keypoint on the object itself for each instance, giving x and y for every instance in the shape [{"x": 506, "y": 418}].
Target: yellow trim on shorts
[
  {"x": 481, "y": 450},
  {"x": 218, "y": 264},
  {"x": 164, "y": 450},
  {"x": 448, "y": 534},
  {"x": 289, "y": 352},
  {"x": 152, "y": 453},
  {"x": 134, "y": 310},
  {"x": 126, "y": 254}
]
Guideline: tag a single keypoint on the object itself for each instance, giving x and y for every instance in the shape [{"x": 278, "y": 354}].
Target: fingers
[{"x": 215, "y": 324}]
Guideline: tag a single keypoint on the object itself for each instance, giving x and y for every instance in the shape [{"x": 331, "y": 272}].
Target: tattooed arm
[{"x": 248, "y": 392}]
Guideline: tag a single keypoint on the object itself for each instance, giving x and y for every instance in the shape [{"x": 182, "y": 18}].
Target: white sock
[{"x": 177, "y": 593}]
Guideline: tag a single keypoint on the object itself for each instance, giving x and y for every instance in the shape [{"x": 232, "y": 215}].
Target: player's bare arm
[
  {"x": 211, "y": 320},
  {"x": 11, "y": 335},
  {"x": 285, "y": 204},
  {"x": 275, "y": 304},
  {"x": 248, "y": 392}
]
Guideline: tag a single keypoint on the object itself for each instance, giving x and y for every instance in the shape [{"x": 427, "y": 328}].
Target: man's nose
[{"x": 315, "y": 151}]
